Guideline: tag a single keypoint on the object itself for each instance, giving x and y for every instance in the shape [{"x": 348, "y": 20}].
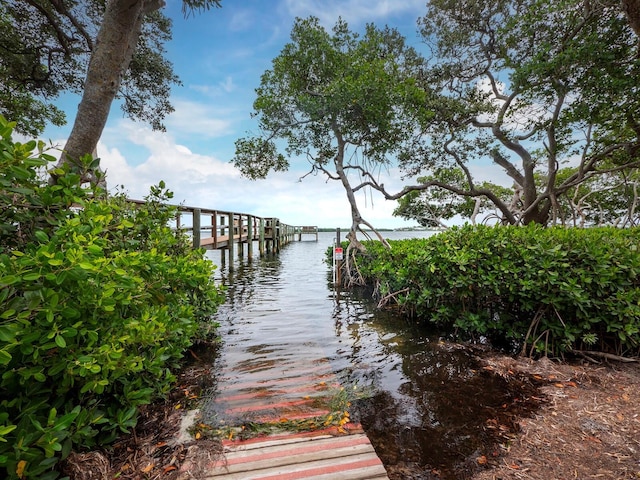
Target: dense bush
[
  {"x": 98, "y": 301},
  {"x": 550, "y": 289}
]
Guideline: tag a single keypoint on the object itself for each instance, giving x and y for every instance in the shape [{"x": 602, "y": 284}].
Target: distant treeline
[{"x": 346, "y": 229}]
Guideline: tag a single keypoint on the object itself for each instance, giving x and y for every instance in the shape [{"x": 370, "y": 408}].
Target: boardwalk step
[{"x": 350, "y": 458}]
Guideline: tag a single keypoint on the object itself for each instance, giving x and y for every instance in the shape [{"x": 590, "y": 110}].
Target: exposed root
[
  {"x": 392, "y": 296},
  {"x": 608, "y": 356}
]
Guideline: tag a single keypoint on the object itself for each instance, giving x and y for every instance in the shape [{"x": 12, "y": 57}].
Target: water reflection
[{"x": 431, "y": 412}]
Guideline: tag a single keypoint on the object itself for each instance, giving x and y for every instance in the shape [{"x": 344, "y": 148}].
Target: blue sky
[{"x": 219, "y": 56}]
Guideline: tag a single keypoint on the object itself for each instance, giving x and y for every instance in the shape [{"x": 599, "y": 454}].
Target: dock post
[
  {"x": 214, "y": 229},
  {"x": 269, "y": 234},
  {"x": 338, "y": 263},
  {"x": 222, "y": 229},
  {"x": 250, "y": 220},
  {"x": 232, "y": 235},
  {"x": 196, "y": 227},
  {"x": 261, "y": 239},
  {"x": 240, "y": 233}
]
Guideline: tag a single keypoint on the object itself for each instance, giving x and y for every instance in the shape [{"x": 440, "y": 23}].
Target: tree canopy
[
  {"x": 102, "y": 50},
  {"x": 45, "y": 50},
  {"x": 349, "y": 104},
  {"x": 532, "y": 87},
  {"x": 431, "y": 207}
]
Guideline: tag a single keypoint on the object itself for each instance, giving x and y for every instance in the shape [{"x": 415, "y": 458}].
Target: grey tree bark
[
  {"x": 631, "y": 9},
  {"x": 114, "y": 49}
]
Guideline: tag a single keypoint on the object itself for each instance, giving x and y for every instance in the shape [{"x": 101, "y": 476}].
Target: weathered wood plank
[
  {"x": 240, "y": 454},
  {"x": 325, "y": 457},
  {"x": 329, "y": 471},
  {"x": 298, "y": 459}
]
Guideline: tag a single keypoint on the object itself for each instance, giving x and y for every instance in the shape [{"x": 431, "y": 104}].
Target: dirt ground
[{"x": 587, "y": 427}]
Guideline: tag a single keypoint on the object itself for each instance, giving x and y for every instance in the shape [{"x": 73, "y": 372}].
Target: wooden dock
[{"x": 221, "y": 230}]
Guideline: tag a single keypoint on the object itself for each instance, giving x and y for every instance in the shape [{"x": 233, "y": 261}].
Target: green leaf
[
  {"x": 31, "y": 277},
  {"x": 5, "y": 357},
  {"x": 60, "y": 341},
  {"x": 64, "y": 422},
  {"x": 41, "y": 236},
  {"x": 8, "y": 333},
  {"x": 9, "y": 280},
  {"x": 5, "y": 430}
]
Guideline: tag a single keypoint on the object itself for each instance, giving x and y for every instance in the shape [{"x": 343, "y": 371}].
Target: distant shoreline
[{"x": 403, "y": 229}]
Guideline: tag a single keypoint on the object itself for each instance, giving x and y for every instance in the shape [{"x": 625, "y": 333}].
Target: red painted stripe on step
[
  {"x": 267, "y": 406},
  {"x": 292, "y": 416},
  {"x": 349, "y": 428},
  {"x": 372, "y": 462},
  {"x": 310, "y": 379},
  {"x": 281, "y": 370},
  {"x": 269, "y": 392},
  {"x": 301, "y": 449}
]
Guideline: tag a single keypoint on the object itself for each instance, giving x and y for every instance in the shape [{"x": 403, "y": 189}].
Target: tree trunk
[
  {"x": 351, "y": 278},
  {"x": 114, "y": 48},
  {"x": 356, "y": 218},
  {"x": 631, "y": 9}
]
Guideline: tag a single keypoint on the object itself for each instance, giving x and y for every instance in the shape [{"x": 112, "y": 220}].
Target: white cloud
[
  {"x": 241, "y": 20},
  {"x": 353, "y": 11},
  {"x": 197, "y": 118},
  {"x": 221, "y": 88},
  {"x": 207, "y": 182},
  {"x": 228, "y": 85}
]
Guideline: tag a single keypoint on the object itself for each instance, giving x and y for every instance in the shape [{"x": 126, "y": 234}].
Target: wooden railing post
[
  {"x": 196, "y": 227},
  {"x": 232, "y": 235},
  {"x": 240, "y": 235},
  {"x": 250, "y": 220},
  {"x": 214, "y": 229}
]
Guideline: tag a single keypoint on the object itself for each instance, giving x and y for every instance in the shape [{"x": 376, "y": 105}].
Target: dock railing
[
  {"x": 307, "y": 230},
  {"x": 223, "y": 230}
]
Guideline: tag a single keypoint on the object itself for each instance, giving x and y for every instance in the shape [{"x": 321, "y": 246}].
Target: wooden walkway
[
  {"x": 300, "y": 456},
  {"x": 270, "y": 393}
]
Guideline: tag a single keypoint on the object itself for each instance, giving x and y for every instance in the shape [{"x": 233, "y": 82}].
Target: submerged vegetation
[
  {"x": 336, "y": 402},
  {"x": 542, "y": 291},
  {"x": 99, "y": 299}
]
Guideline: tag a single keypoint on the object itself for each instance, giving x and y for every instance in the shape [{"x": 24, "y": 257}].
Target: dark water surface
[{"x": 429, "y": 410}]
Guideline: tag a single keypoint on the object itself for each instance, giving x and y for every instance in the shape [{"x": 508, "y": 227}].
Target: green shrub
[
  {"x": 553, "y": 289},
  {"x": 99, "y": 300}
]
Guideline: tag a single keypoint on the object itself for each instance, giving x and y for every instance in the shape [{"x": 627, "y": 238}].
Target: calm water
[{"x": 430, "y": 411}]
